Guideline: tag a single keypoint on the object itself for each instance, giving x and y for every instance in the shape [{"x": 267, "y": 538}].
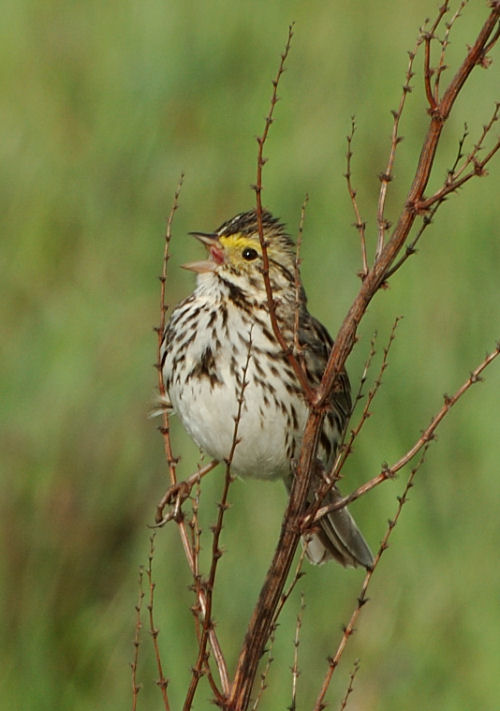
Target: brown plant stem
[
  {"x": 346, "y": 336},
  {"x": 350, "y": 687},
  {"x": 162, "y": 681},
  {"x": 180, "y": 489},
  {"x": 287, "y": 348},
  {"x": 360, "y": 224},
  {"x": 424, "y": 439},
  {"x": 349, "y": 629},
  {"x": 208, "y": 624},
  {"x": 177, "y": 493},
  {"x": 347, "y": 447},
  {"x": 137, "y": 641},
  {"x": 260, "y": 624}
]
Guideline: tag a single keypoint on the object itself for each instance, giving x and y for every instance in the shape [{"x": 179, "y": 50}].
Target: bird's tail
[{"x": 337, "y": 537}]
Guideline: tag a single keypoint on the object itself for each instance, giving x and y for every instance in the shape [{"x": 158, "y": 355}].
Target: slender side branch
[
  {"x": 441, "y": 67},
  {"x": 350, "y": 687},
  {"x": 265, "y": 673},
  {"x": 208, "y": 623},
  {"x": 296, "y": 645},
  {"x": 387, "y": 176},
  {"x": 287, "y": 348},
  {"x": 425, "y": 438},
  {"x": 297, "y": 349},
  {"x": 177, "y": 493},
  {"x": 477, "y": 171},
  {"x": 137, "y": 641},
  {"x": 334, "y": 475},
  {"x": 350, "y": 628},
  {"x": 171, "y": 460},
  {"x": 261, "y": 622},
  {"x": 364, "y": 375},
  {"x": 346, "y": 336},
  {"x": 433, "y": 96},
  {"x": 360, "y": 224},
  {"x": 454, "y": 180},
  {"x": 176, "y": 489},
  {"x": 162, "y": 681}
]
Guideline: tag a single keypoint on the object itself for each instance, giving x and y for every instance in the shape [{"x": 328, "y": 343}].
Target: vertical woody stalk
[{"x": 260, "y": 625}]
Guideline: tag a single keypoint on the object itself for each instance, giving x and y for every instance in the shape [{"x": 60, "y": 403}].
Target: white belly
[
  {"x": 272, "y": 420},
  {"x": 208, "y": 413}
]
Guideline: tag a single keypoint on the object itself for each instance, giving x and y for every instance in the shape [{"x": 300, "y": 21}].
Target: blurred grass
[{"x": 102, "y": 107}]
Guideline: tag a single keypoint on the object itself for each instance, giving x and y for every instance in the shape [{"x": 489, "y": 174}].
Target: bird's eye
[{"x": 249, "y": 254}]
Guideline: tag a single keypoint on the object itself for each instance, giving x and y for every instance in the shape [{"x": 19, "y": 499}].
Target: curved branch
[{"x": 261, "y": 622}]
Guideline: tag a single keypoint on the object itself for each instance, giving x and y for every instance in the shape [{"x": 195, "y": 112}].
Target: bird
[{"x": 219, "y": 343}]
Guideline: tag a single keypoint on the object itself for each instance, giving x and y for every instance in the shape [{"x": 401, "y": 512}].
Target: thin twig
[
  {"x": 162, "y": 682},
  {"x": 410, "y": 248},
  {"x": 179, "y": 492},
  {"x": 296, "y": 645},
  {"x": 297, "y": 349},
  {"x": 190, "y": 551},
  {"x": 427, "y": 218},
  {"x": 428, "y": 37},
  {"x": 477, "y": 171},
  {"x": 208, "y": 625},
  {"x": 198, "y": 609},
  {"x": 265, "y": 672},
  {"x": 171, "y": 460},
  {"x": 166, "y": 257},
  {"x": 433, "y": 104},
  {"x": 330, "y": 478},
  {"x": 360, "y": 224},
  {"x": 387, "y": 176},
  {"x": 347, "y": 334},
  {"x": 195, "y": 547},
  {"x": 350, "y": 628},
  {"x": 350, "y": 687},
  {"x": 261, "y": 140},
  {"x": 347, "y": 447},
  {"x": 452, "y": 184},
  {"x": 364, "y": 375},
  {"x": 426, "y": 436},
  {"x": 260, "y": 625},
  {"x": 297, "y": 575},
  {"x": 137, "y": 640},
  {"x": 441, "y": 67},
  {"x": 456, "y": 170}
]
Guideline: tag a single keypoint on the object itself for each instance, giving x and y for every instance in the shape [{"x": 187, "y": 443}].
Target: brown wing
[
  {"x": 337, "y": 535},
  {"x": 317, "y": 343}
]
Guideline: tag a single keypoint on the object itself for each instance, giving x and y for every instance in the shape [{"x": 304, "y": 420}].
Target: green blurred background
[{"x": 103, "y": 105}]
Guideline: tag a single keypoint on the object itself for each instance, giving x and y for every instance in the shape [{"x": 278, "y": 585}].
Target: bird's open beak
[{"x": 211, "y": 242}]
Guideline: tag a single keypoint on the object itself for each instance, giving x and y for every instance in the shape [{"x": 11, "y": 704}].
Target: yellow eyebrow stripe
[{"x": 239, "y": 241}]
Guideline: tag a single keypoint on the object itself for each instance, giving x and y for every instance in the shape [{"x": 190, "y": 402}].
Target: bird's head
[{"x": 235, "y": 252}]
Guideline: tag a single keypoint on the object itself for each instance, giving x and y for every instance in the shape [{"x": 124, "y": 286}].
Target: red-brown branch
[
  {"x": 287, "y": 348},
  {"x": 346, "y": 336},
  {"x": 137, "y": 641},
  {"x": 176, "y": 514},
  {"x": 216, "y": 551},
  {"x": 350, "y": 628},
  {"x": 171, "y": 460},
  {"x": 360, "y": 224},
  {"x": 334, "y": 475},
  {"x": 162, "y": 681},
  {"x": 261, "y": 622},
  {"x": 424, "y": 439},
  {"x": 177, "y": 493}
]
